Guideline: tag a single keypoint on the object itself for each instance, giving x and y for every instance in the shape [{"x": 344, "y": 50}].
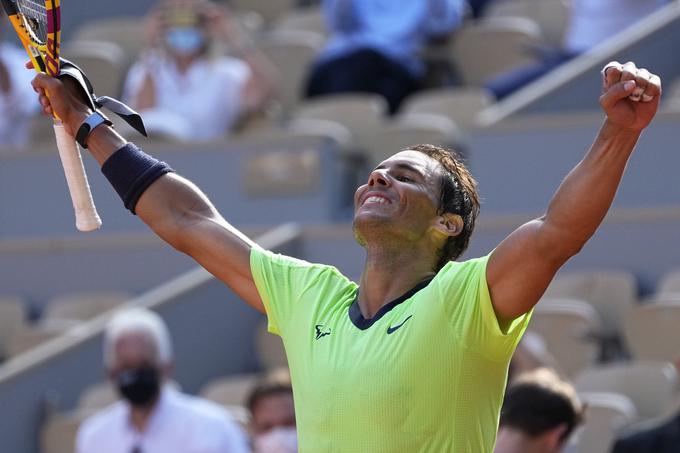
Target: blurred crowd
[{"x": 200, "y": 72}]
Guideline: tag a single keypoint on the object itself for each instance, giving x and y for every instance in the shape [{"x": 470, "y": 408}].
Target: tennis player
[{"x": 415, "y": 357}]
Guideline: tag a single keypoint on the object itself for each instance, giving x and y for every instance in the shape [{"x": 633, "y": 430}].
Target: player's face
[{"x": 401, "y": 195}]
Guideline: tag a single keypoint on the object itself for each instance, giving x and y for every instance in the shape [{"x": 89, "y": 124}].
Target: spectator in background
[
  {"x": 154, "y": 417},
  {"x": 375, "y": 44},
  {"x": 539, "y": 413},
  {"x": 591, "y": 22},
  {"x": 273, "y": 415},
  {"x": 181, "y": 89},
  {"x": 17, "y": 98},
  {"x": 531, "y": 354}
]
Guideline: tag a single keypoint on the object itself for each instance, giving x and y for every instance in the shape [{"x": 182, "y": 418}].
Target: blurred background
[{"x": 511, "y": 84}]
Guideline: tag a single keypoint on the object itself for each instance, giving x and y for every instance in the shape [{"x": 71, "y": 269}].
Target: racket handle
[{"x": 87, "y": 218}]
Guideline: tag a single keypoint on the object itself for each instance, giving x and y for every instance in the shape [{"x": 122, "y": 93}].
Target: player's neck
[{"x": 389, "y": 273}]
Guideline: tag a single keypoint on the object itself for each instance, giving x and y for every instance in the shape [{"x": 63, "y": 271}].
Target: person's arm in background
[
  {"x": 175, "y": 209},
  {"x": 522, "y": 266},
  {"x": 140, "y": 89}
]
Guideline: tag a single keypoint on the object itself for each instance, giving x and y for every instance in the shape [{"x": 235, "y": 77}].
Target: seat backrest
[
  {"x": 670, "y": 282},
  {"x": 653, "y": 331},
  {"x": 31, "y": 336},
  {"x": 460, "y": 105},
  {"x": 230, "y": 390},
  {"x": 552, "y": 16},
  {"x": 611, "y": 292},
  {"x": 292, "y": 53},
  {"x": 606, "y": 414},
  {"x": 126, "y": 32},
  {"x": 567, "y": 327},
  {"x": 83, "y": 305},
  {"x": 305, "y": 19},
  {"x": 104, "y": 63},
  {"x": 651, "y": 386},
  {"x": 490, "y": 47},
  {"x": 360, "y": 113},
  {"x": 12, "y": 320},
  {"x": 96, "y": 397},
  {"x": 270, "y": 10}
]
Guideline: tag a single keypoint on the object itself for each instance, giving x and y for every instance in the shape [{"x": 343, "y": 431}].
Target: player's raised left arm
[{"x": 522, "y": 266}]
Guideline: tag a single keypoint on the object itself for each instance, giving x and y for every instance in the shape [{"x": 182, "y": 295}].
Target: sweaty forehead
[{"x": 415, "y": 159}]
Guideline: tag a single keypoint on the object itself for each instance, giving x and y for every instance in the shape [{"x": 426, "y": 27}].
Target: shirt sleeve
[
  {"x": 282, "y": 282},
  {"x": 467, "y": 302}
]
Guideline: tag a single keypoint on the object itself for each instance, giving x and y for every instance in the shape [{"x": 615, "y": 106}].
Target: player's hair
[
  {"x": 539, "y": 401},
  {"x": 458, "y": 195},
  {"x": 274, "y": 383},
  {"x": 138, "y": 321}
]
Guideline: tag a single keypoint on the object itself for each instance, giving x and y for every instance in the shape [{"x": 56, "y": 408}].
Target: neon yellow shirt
[{"x": 426, "y": 374}]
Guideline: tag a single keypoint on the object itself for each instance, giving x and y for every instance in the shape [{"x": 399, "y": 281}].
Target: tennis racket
[{"x": 38, "y": 25}]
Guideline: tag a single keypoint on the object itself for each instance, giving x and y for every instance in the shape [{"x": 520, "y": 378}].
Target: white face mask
[
  {"x": 185, "y": 40},
  {"x": 278, "y": 440}
]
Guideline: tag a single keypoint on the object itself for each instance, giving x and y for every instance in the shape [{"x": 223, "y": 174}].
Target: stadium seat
[
  {"x": 292, "y": 53},
  {"x": 567, "y": 327},
  {"x": 31, "y": 336},
  {"x": 670, "y": 282},
  {"x": 269, "y": 347},
  {"x": 612, "y": 293},
  {"x": 653, "y": 331},
  {"x": 230, "y": 390},
  {"x": 606, "y": 414},
  {"x": 104, "y": 62},
  {"x": 127, "y": 32},
  {"x": 651, "y": 386},
  {"x": 360, "y": 113},
  {"x": 83, "y": 305},
  {"x": 551, "y": 16},
  {"x": 270, "y": 10},
  {"x": 304, "y": 19},
  {"x": 12, "y": 320},
  {"x": 58, "y": 434},
  {"x": 411, "y": 129},
  {"x": 487, "y": 48},
  {"x": 461, "y": 105}
]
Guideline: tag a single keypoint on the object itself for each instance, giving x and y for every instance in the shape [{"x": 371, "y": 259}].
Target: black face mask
[{"x": 140, "y": 386}]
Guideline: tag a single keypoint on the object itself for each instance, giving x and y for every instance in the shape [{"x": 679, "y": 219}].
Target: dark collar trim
[{"x": 362, "y": 323}]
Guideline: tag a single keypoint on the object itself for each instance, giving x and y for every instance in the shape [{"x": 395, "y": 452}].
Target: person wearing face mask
[
  {"x": 181, "y": 88},
  {"x": 272, "y": 422},
  {"x": 152, "y": 417}
]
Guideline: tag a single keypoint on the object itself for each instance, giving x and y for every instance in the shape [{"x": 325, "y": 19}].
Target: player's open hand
[
  {"x": 63, "y": 101},
  {"x": 630, "y": 95}
]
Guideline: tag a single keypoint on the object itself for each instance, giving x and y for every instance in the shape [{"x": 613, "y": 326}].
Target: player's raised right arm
[{"x": 172, "y": 206}]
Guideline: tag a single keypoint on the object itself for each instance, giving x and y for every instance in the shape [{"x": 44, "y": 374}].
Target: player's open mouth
[{"x": 376, "y": 199}]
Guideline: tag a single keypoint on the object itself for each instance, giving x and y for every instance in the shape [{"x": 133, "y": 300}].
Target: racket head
[{"x": 38, "y": 25}]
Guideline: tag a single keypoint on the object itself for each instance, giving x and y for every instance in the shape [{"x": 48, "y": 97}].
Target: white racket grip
[{"x": 87, "y": 218}]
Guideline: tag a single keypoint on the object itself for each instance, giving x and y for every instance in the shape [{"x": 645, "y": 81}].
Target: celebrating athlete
[{"x": 414, "y": 358}]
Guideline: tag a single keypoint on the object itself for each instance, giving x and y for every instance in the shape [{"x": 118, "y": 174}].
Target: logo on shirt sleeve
[{"x": 322, "y": 331}]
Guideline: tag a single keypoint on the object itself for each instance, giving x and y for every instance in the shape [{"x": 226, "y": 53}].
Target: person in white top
[
  {"x": 183, "y": 91},
  {"x": 17, "y": 98},
  {"x": 153, "y": 417}
]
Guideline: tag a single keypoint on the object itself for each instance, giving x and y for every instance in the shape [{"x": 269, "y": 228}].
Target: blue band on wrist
[{"x": 131, "y": 171}]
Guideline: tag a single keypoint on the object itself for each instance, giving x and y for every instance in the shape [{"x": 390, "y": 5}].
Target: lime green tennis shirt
[{"x": 426, "y": 374}]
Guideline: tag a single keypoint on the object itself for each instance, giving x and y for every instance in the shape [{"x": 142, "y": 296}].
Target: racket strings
[{"x": 35, "y": 17}]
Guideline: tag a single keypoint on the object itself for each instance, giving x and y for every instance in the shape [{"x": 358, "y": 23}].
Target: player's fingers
[
  {"x": 641, "y": 79},
  {"x": 29, "y": 65},
  {"x": 653, "y": 88},
  {"x": 616, "y": 92},
  {"x": 611, "y": 73},
  {"x": 44, "y": 82}
]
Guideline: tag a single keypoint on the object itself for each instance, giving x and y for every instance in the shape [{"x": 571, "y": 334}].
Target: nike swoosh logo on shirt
[{"x": 392, "y": 329}]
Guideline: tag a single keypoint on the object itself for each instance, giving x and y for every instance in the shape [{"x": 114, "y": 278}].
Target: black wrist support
[{"x": 131, "y": 171}]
